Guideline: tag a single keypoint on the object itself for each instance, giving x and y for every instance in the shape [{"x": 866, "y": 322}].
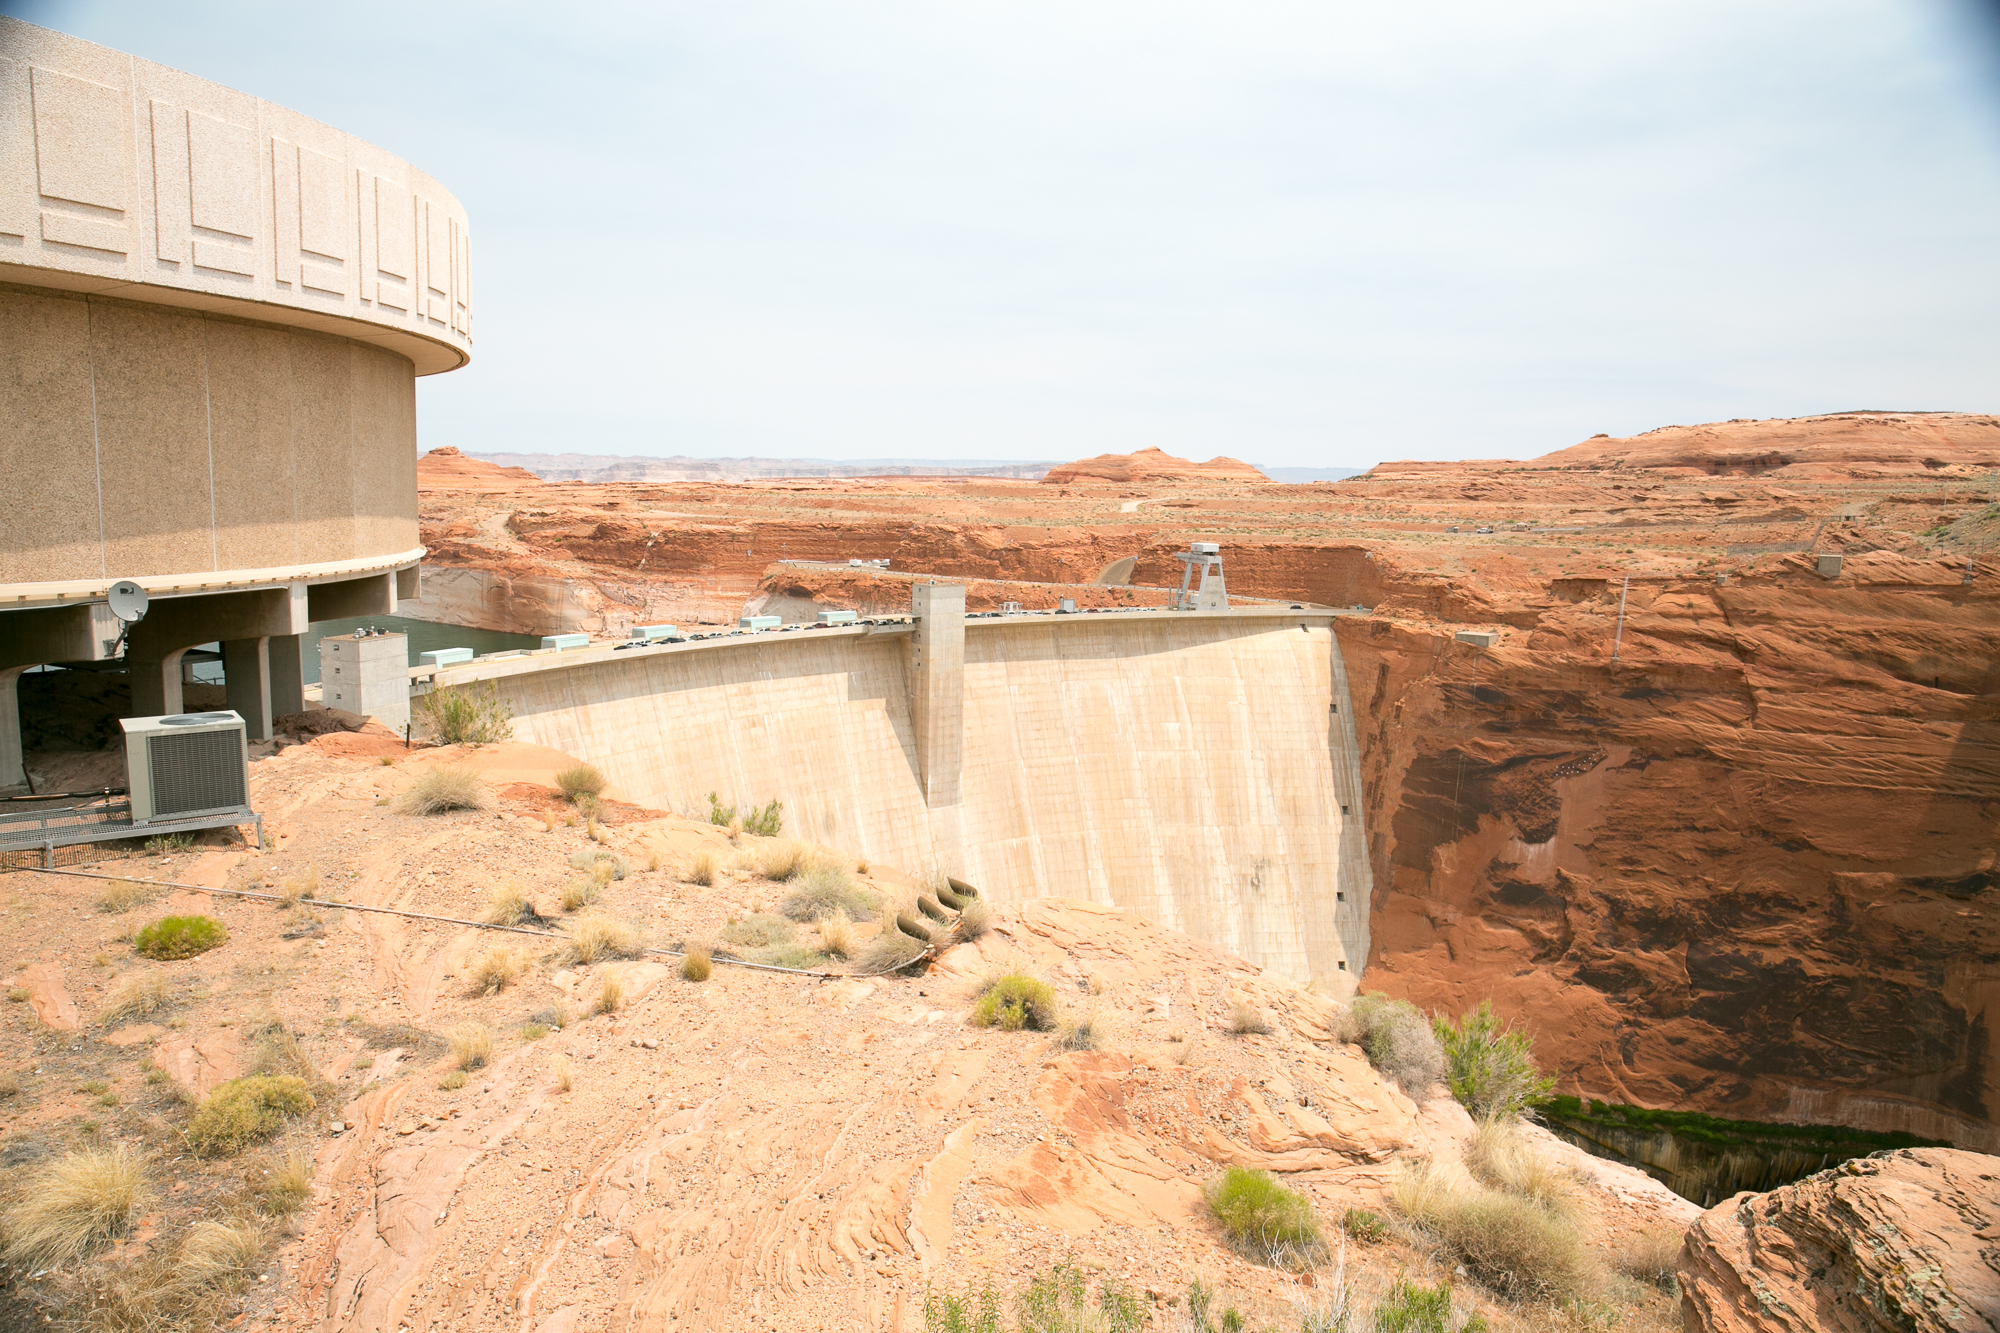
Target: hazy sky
[{"x": 1301, "y": 234}]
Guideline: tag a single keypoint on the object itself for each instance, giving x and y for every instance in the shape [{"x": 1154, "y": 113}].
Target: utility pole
[{"x": 1619, "y": 637}]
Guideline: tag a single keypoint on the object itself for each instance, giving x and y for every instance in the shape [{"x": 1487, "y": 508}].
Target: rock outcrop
[
  {"x": 448, "y": 469},
  {"x": 1151, "y": 467},
  {"x": 1905, "y": 1242}
]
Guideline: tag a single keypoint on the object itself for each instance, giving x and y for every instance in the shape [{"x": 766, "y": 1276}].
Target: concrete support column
[
  {"x": 938, "y": 696},
  {"x": 156, "y": 682},
  {"x": 284, "y": 656},
  {"x": 10, "y": 726},
  {"x": 246, "y": 684}
]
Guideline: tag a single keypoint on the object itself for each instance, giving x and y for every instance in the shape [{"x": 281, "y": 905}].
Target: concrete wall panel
[
  {"x": 48, "y": 508},
  {"x": 323, "y": 429},
  {"x": 249, "y": 396},
  {"x": 152, "y": 438},
  {"x": 385, "y": 434}
]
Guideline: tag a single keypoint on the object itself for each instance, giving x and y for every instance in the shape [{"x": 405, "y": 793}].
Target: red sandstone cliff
[{"x": 448, "y": 469}]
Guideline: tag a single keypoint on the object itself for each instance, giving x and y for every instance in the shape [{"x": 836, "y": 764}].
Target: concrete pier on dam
[{"x": 1200, "y": 768}]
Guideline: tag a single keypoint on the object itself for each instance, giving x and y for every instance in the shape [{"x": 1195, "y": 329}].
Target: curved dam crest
[{"x": 1200, "y": 769}]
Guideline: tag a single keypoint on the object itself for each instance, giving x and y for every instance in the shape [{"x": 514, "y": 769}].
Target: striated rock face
[
  {"x": 1908, "y": 1242},
  {"x": 1150, "y": 467}
]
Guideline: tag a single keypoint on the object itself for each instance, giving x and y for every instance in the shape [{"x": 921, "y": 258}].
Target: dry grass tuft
[
  {"x": 654, "y": 860},
  {"x": 247, "y": 1108},
  {"x": 696, "y": 965},
  {"x": 610, "y": 997},
  {"x": 1082, "y": 1036},
  {"x": 548, "y": 821},
  {"x": 1652, "y": 1255},
  {"x": 471, "y": 1045},
  {"x": 1398, "y": 1039},
  {"x": 1247, "y": 1022},
  {"x": 497, "y": 969},
  {"x": 134, "y": 995},
  {"x": 295, "y": 888},
  {"x": 975, "y": 920},
  {"x": 276, "y": 1049},
  {"x": 434, "y": 791},
  {"x": 122, "y": 895},
  {"x": 778, "y": 861},
  {"x": 824, "y": 888},
  {"x": 290, "y": 1183},
  {"x": 507, "y": 905},
  {"x": 580, "y": 780},
  {"x": 579, "y": 893},
  {"x": 702, "y": 871},
  {"x": 593, "y": 938},
  {"x": 836, "y": 935},
  {"x": 1501, "y": 1157},
  {"x": 759, "y": 930},
  {"x": 1518, "y": 1248},
  {"x": 75, "y": 1203},
  {"x": 890, "y": 951},
  {"x": 565, "y": 1079},
  {"x": 219, "y": 1254}
]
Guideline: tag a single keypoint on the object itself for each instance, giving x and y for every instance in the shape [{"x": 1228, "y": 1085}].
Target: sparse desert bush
[
  {"x": 134, "y": 995},
  {"x": 610, "y": 997},
  {"x": 594, "y": 938},
  {"x": 166, "y": 844},
  {"x": 767, "y": 821},
  {"x": 1515, "y": 1246},
  {"x": 759, "y": 930},
  {"x": 890, "y": 951},
  {"x": 534, "y": 1031},
  {"x": 453, "y": 1081},
  {"x": 695, "y": 965},
  {"x": 1263, "y": 1220},
  {"x": 1398, "y": 1040},
  {"x": 275, "y": 1049},
  {"x": 947, "y": 1312},
  {"x": 1245, "y": 1021},
  {"x": 74, "y": 1203},
  {"x": 825, "y": 889},
  {"x": 466, "y": 715},
  {"x": 1499, "y": 1156},
  {"x": 293, "y": 889},
  {"x": 1651, "y": 1256},
  {"x": 17, "y": 994},
  {"x": 1081, "y": 1036},
  {"x": 1490, "y": 1065},
  {"x": 602, "y": 864},
  {"x": 247, "y": 1108},
  {"x": 580, "y": 780},
  {"x": 496, "y": 969},
  {"x": 471, "y": 1045},
  {"x": 1365, "y": 1225},
  {"x": 220, "y": 1254},
  {"x": 580, "y": 893},
  {"x": 798, "y": 957},
  {"x": 777, "y": 861},
  {"x": 443, "y": 788},
  {"x": 1014, "y": 1001},
  {"x": 507, "y": 905},
  {"x": 565, "y": 1079},
  {"x": 173, "y": 937},
  {"x": 836, "y": 935},
  {"x": 290, "y": 1183},
  {"x": 122, "y": 895},
  {"x": 702, "y": 869},
  {"x": 975, "y": 919},
  {"x": 1411, "y": 1307}
]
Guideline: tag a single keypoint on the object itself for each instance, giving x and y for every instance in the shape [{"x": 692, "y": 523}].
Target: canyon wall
[{"x": 1190, "y": 767}]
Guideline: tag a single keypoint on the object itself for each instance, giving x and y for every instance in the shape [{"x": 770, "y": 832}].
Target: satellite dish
[{"x": 127, "y": 601}]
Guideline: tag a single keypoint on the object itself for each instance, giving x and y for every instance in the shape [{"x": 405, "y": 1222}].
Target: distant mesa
[
  {"x": 447, "y": 469},
  {"x": 1150, "y": 465},
  {"x": 1839, "y": 444},
  {"x": 639, "y": 468}
]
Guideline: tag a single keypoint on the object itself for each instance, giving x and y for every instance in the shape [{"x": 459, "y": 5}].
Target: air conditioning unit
[{"x": 186, "y": 765}]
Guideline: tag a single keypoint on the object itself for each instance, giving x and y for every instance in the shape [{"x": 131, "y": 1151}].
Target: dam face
[{"x": 1198, "y": 768}]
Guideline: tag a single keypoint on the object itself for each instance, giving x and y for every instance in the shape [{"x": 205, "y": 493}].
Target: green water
[{"x": 425, "y": 636}]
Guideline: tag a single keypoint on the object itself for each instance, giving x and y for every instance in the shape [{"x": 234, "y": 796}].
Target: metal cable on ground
[{"x": 929, "y": 952}]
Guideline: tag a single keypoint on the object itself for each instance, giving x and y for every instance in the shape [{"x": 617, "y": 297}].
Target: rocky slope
[
  {"x": 1150, "y": 467},
  {"x": 758, "y": 1150},
  {"x": 1746, "y": 868}
]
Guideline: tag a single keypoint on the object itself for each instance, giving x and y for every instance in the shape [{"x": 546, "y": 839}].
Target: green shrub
[
  {"x": 1262, "y": 1219},
  {"x": 1490, "y": 1066},
  {"x": 247, "y": 1108},
  {"x": 1411, "y": 1307},
  {"x": 824, "y": 889},
  {"x": 1398, "y": 1040},
  {"x": 766, "y": 822},
  {"x": 580, "y": 780},
  {"x": 1059, "y": 1301},
  {"x": 1016, "y": 1001},
  {"x": 180, "y": 937},
  {"x": 946, "y": 1313},
  {"x": 466, "y": 715},
  {"x": 1364, "y": 1225}
]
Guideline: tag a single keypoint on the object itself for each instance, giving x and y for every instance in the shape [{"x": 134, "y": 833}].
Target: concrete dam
[{"x": 1199, "y": 768}]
